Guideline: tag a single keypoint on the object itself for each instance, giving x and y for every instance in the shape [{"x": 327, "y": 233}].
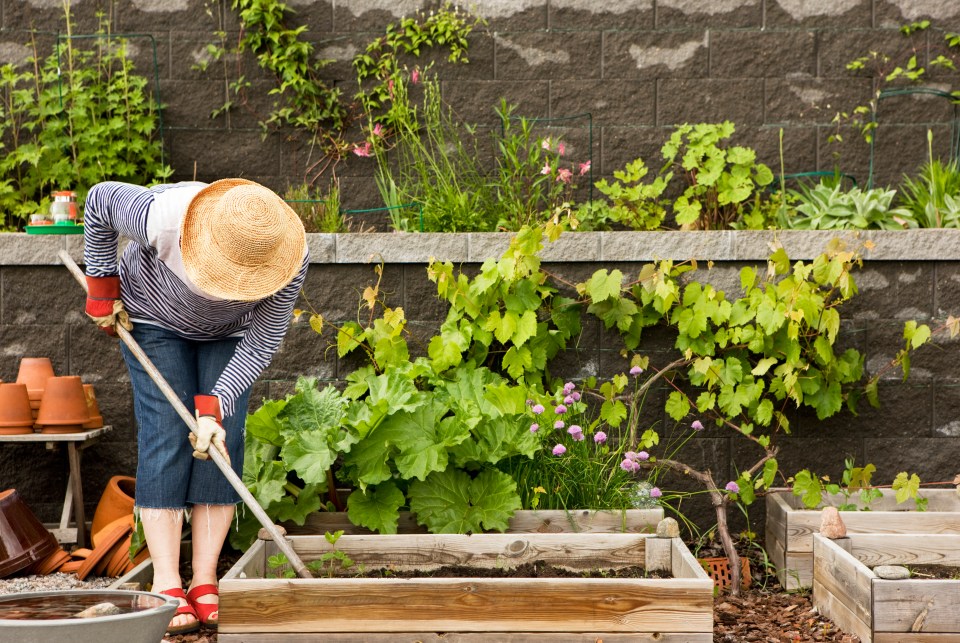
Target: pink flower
[
  {"x": 636, "y": 370},
  {"x": 559, "y": 424},
  {"x": 568, "y": 399},
  {"x": 575, "y": 432},
  {"x": 599, "y": 437},
  {"x": 643, "y": 455},
  {"x": 697, "y": 425},
  {"x": 545, "y": 144},
  {"x": 630, "y": 455},
  {"x": 363, "y": 150},
  {"x": 546, "y": 168},
  {"x": 561, "y": 148},
  {"x": 655, "y": 492},
  {"x": 576, "y": 396},
  {"x": 584, "y": 168},
  {"x": 629, "y": 465},
  {"x": 534, "y": 427},
  {"x": 568, "y": 388},
  {"x": 560, "y": 410},
  {"x": 415, "y": 76},
  {"x": 378, "y": 130},
  {"x": 390, "y": 87},
  {"x": 559, "y": 449},
  {"x": 537, "y": 408},
  {"x": 732, "y": 487},
  {"x": 563, "y": 174}
]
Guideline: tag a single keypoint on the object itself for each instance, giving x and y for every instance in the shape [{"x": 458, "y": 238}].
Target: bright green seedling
[{"x": 330, "y": 564}]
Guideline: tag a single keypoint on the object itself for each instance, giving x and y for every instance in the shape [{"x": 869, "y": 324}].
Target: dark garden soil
[
  {"x": 536, "y": 569},
  {"x": 764, "y": 613},
  {"x": 934, "y": 572}
]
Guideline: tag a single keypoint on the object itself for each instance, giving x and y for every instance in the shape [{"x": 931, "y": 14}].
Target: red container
[{"x": 23, "y": 538}]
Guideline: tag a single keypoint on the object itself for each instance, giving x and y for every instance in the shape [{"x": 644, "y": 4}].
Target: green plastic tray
[{"x": 55, "y": 229}]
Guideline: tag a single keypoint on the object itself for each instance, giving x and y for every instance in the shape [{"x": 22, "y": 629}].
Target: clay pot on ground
[
  {"x": 23, "y": 539},
  {"x": 116, "y": 501},
  {"x": 63, "y": 408},
  {"x": 15, "y": 414},
  {"x": 34, "y": 372},
  {"x": 96, "y": 420}
]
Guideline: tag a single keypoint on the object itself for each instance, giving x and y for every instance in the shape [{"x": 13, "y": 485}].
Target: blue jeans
[{"x": 168, "y": 476}]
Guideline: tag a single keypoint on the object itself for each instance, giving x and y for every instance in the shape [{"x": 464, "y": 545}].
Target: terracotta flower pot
[
  {"x": 23, "y": 538},
  {"x": 15, "y": 414},
  {"x": 63, "y": 408},
  {"x": 96, "y": 420},
  {"x": 116, "y": 501},
  {"x": 34, "y": 372}
]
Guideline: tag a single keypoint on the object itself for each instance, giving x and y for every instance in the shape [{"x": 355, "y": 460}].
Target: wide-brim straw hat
[{"x": 240, "y": 241}]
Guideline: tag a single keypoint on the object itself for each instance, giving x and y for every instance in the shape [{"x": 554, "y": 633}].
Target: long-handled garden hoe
[{"x": 191, "y": 423}]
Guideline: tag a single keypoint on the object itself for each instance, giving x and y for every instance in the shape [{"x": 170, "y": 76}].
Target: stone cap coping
[{"x": 930, "y": 244}]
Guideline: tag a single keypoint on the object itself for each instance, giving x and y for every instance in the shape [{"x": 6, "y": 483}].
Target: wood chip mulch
[{"x": 772, "y": 617}]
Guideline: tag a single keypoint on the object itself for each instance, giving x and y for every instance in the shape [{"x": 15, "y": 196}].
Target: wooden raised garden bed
[
  {"x": 640, "y": 521},
  {"x": 255, "y": 608},
  {"x": 917, "y": 610},
  {"x": 790, "y": 526}
]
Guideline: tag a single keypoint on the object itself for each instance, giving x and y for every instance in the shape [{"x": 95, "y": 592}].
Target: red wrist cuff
[
  {"x": 208, "y": 405},
  {"x": 103, "y": 287}
]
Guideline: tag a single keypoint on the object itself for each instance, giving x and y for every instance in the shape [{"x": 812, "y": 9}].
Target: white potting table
[{"x": 73, "y": 498}]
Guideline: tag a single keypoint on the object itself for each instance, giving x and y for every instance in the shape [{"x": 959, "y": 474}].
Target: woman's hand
[{"x": 209, "y": 428}]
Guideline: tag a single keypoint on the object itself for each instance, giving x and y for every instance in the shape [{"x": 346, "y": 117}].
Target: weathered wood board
[
  {"x": 524, "y": 521},
  {"x": 256, "y": 608},
  {"x": 790, "y": 526},
  {"x": 846, "y": 589}
]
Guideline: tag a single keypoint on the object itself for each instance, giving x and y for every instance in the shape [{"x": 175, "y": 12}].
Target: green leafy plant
[
  {"x": 933, "y": 197},
  {"x": 822, "y": 207},
  {"x": 745, "y": 362},
  {"x": 901, "y": 66},
  {"x": 330, "y": 563},
  {"x": 720, "y": 184},
  {"x": 72, "y": 119},
  {"x": 855, "y": 481},
  {"x": 319, "y": 212},
  {"x": 379, "y": 66}
]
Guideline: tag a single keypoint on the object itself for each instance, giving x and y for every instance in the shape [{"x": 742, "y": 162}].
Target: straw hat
[{"x": 240, "y": 241}]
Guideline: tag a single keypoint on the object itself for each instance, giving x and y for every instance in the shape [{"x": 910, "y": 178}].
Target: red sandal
[
  {"x": 205, "y": 610},
  {"x": 187, "y": 609}
]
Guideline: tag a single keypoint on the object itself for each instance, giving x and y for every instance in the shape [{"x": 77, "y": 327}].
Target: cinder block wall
[
  {"x": 913, "y": 275},
  {"x": 637, "y": 66}
]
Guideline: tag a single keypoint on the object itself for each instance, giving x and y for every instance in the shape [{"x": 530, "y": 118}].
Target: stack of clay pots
[
  {"x": 28, "y": 548},
  {"x": 57, "y": 404}
]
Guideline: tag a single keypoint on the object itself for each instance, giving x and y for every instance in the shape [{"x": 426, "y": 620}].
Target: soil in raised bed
[
  {"x": 933, "y": 572},
  {"x": 535, "y": 569}
]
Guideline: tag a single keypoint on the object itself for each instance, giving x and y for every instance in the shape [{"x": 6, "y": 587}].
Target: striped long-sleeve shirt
[{"x": 156, "y": 290}]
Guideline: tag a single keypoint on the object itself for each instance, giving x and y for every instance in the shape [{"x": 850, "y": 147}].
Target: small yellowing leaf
[
  {"x": 370, "y": 296},
  {"x": 297, "y": 313},
  {"x": 316, "y": 323}
]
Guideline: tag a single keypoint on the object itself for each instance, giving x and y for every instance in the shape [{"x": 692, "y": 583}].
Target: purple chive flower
[
  {"x": 630, "y": 455},
  {"x": 575, "y": 432},
  {"x": 559, "y": 424},
  {"x": 636, "y": 370},
  {"x": 629, "y": 465},
  {"x": 537, "y": 408},
  {"x": 599, "y": 437},
  {"x": 576, "y": 396},
  {"x": 655, "y": 492},
  {"x": 529, "y": 402},
  {"x": 561, "y": 409},
  {"x": 534, "y": 427},
  {"x": 568, "y": 387},
  {"x": 732, "y": 487},
  {"x": 569, "y": 400},
  {"x": 697, "y": 425},
  {"x": 559, "y": 449},
  {"x": 643, "y": 455}
]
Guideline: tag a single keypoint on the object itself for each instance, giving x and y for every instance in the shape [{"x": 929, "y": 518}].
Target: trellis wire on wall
[
  {"x": 389, "y": 209},
  {"x": 125, "y": 36},
  {"x": 907, "y": 91},
  {"x": 555, "y": 119}
]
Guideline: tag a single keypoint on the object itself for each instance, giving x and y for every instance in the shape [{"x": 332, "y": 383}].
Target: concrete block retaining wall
[
  {"x": 638, "y": 66},
  {"x": 913, "y": 275}
]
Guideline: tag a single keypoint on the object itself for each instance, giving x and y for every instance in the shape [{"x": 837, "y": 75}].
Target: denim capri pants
[{"x": 168, "y": 476}]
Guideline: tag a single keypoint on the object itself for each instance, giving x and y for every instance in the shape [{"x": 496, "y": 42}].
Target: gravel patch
[{"x": 51, "y": 582}]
